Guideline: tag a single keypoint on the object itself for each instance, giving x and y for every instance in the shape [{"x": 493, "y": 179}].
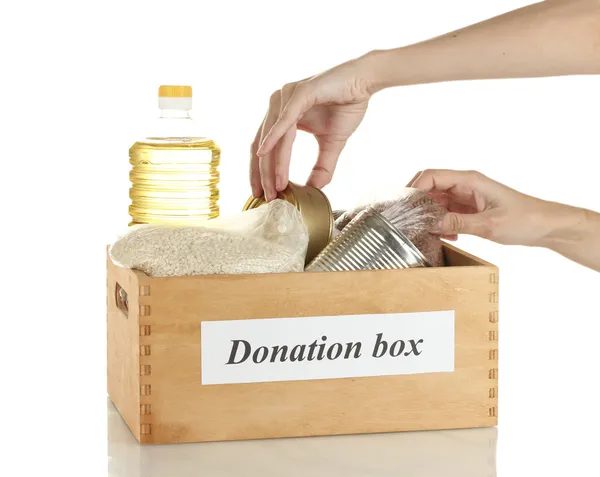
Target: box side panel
[
  {"x": 123, "y": 350},
  {"x": 493, "y": 316},
  {"x": 184, "y": 410}
]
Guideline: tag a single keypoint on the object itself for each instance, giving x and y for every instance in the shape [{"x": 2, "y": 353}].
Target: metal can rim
[{"x": 417, "y": 254}]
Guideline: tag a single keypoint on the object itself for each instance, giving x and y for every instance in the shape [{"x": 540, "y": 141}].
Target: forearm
[
  {"x": 572, "y": 232},
  {"x": 552, "y": 38}
]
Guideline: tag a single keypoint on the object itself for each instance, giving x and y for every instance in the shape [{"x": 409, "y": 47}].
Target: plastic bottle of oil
[{"x": 174, "y": 174}]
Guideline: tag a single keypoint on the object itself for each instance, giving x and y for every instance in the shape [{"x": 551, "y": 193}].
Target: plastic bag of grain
[
  {"x": 414, "y": 213},
  {"x": 272, "y": 238}
]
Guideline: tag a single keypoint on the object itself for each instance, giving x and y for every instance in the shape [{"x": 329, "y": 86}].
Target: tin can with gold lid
[{"x": 316, "y": 212}]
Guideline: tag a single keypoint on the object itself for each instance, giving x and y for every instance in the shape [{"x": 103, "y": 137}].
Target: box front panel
[{"x": 347, "y": 399}]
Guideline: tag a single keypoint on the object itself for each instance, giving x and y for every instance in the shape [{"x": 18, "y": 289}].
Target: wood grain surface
[{"x": 173, "y": 406}]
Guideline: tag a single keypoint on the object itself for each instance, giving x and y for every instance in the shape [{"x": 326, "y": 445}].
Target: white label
[{"x": 326, "y": 347}]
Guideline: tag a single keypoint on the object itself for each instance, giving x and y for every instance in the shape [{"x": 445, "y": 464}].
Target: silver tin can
[{"x": 368, "y": 242}]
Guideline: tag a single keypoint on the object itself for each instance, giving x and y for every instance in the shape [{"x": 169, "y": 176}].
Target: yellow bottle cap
[{"x": 168, "y": 91}]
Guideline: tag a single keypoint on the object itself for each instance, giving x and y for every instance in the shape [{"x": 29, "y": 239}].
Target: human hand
[
  {"x": 478, "y": 205},
  {"x": 330, "y": 106}
]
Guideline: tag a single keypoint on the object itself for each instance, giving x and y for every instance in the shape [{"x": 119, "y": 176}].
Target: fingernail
[
  {"x": 259, "y": 151},
  {"x": 256, "y": 188},
  {"x": 437, "y": 228},
  {"x": 312, "y": 182}
]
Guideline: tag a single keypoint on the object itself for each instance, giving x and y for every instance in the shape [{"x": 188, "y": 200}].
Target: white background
[{"x": 78, "y": 79}]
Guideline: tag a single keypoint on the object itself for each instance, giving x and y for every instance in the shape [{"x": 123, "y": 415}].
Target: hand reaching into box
[
  {"x": 478, "y": 205},
  {"x": 527, "y": 42}
]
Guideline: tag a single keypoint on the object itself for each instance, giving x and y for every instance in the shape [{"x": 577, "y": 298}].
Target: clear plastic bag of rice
[{"x": 272, "y": 238}]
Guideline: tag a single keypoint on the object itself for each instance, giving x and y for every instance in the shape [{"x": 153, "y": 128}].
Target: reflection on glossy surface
[{"x": 464, "y": 453}]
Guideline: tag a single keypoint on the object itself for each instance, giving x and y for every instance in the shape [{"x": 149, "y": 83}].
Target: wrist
[
  {"x": 380, "y": 69},
  {"x": 565, "y": 226},
  {"x": 409, "y": 65}
]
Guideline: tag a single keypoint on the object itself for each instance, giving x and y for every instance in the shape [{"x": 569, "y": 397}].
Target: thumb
[
  {"x": 471, "y": 224},
  {"x": 329, "y": 153}
]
